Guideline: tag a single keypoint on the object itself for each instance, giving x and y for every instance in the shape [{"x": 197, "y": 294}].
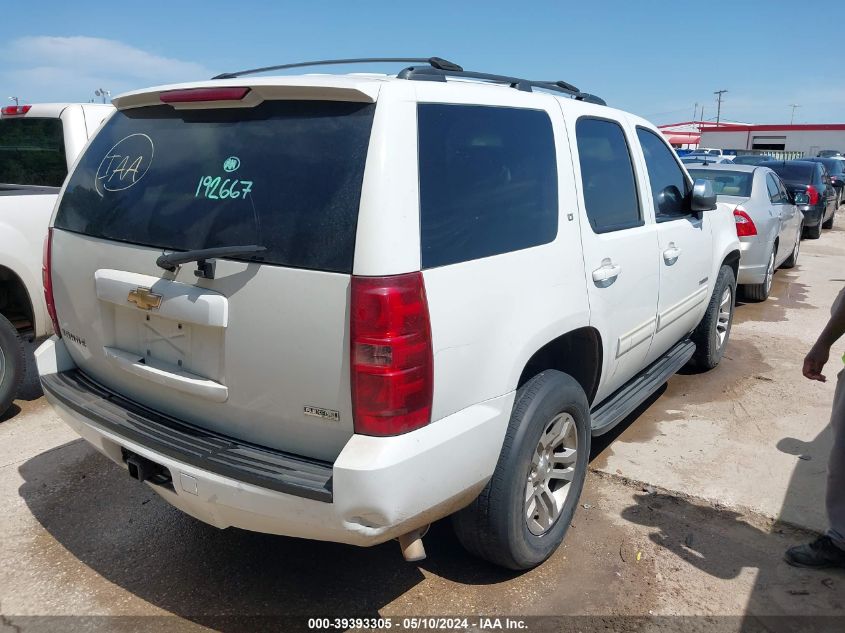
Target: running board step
[{"x": 618, "y": 406}]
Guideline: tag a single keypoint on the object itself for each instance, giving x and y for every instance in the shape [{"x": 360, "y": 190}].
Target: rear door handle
[
  {"x": 607, "y": 273},
  {"x": 671, "y": 254}
]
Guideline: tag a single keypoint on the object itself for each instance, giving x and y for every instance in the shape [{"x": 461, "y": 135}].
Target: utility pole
[
  {"x": 15, "y": 99},
  {"x": 719, "y": 94},
  {"x": 793, "y": 106},
  {"x": 694, "y": 111}
]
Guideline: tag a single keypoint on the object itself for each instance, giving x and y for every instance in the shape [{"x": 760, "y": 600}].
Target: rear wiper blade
[{"x": 170, "y": 261}]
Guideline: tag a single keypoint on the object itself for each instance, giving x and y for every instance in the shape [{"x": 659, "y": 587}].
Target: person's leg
[
  {"x": 829, "y": 550},
  {"x": 836, "y": 468}
]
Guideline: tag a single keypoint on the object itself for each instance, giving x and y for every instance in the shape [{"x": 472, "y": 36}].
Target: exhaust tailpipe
[{"x": 412, "y": 545}]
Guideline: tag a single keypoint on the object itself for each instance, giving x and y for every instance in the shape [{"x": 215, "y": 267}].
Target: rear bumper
[
  {"x": 377, "y": 489},
  {"x": 753, "y": 261}
]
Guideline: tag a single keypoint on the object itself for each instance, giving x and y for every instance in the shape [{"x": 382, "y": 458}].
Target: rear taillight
[
  {"x": 47, "y": 279},
  {"x": 15, "y": 109},
  {"x": 194, "y": 95},
  {"x": 813, "y": 194},
  {"x": 744, "y": 224},
  {"x": 391, "y": 355}
]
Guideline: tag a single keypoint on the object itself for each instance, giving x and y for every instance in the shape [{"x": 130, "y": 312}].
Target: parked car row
[{"x": 774, "y": 204}]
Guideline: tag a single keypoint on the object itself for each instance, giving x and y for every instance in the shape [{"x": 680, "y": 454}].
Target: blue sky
[{"x": 654, "y": 58}]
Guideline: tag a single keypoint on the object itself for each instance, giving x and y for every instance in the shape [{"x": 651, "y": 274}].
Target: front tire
[
  {"x": 712, "y": 334},
  {"x": 12, "y": 363},
  {"x": 524, "y": 512}
]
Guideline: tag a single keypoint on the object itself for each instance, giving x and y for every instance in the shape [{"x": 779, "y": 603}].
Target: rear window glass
[
  {"x": 726, "y": 182},
  {"x": 750, "y": 159},
  {"x": 285, "y": 175},
  {"x": 488, "y": 181},
  {"x": 793, "y": 172},
  {"x": 32, "y": 152}
]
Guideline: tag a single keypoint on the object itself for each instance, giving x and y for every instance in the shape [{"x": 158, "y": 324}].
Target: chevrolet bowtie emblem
[{"x": 144, "y": 298}]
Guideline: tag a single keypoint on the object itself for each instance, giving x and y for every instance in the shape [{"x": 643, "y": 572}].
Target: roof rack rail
[
  {"x": 432, "y": 73},
  {"x": 434, "y": 62},
  {"x": 435, "y": 69}
]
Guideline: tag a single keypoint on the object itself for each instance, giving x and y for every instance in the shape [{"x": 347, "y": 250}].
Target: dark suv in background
[{"x": 810, "y": 185}]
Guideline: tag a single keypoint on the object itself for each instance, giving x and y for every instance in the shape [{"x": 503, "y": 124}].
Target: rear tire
[
  {"x": 813, "y": 232},
  {"x": 829, "y": 223},
  {"x": 760, "y": 292},
  {"x": 712, "y": 334},
  {"x": 792, "y": 260},
  {"x": 12, "y": 363},
  {"x": 496, "y": 526}
]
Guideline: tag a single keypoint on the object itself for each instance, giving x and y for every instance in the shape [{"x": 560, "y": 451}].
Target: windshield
[
  {"x": 726, "y": 182},
  {"x": 32, "y": 152},
  {"x": 285, "y": 175}
]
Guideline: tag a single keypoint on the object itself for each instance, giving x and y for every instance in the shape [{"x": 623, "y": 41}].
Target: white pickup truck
[{"x": 38, "y": 145}]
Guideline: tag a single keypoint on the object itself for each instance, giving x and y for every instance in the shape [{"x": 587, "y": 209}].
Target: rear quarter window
[
  {"x": 285, "y": 175},
  {"x": 32, "y": 152},
  {"x": 488, "y": 181}
]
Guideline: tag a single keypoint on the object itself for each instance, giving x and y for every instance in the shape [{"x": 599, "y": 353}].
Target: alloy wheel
[
  {"x": 551, "y": 474},
  {"x": 723, "y": 321},
  {"x": 770, "y": 273}
]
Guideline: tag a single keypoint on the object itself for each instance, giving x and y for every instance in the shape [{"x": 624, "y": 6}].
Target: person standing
[{"x": 828, "y": 550}]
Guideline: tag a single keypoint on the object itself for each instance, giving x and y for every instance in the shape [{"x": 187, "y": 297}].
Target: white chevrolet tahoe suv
[
  {"x": 38, "y": 144},
  {"x": 341, "y": 307}
]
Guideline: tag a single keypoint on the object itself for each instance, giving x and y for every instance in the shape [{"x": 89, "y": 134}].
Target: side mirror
[
  {"x": 703, "y": 198},
  {"x": 670, "y": 200}
]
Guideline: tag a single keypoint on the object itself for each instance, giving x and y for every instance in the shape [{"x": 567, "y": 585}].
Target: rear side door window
[
  {"x": 607, "y": 176},
  {"x": 670, "y": 188},
  {"x": 774, "y": 190},
  {"x": 488, "y": 181}
]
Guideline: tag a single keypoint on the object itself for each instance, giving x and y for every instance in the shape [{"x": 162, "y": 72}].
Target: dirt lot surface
[{"x": 682, "y": 524}]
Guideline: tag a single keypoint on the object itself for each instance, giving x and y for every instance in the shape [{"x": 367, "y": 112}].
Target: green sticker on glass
[{"x": 219, "y": 188}]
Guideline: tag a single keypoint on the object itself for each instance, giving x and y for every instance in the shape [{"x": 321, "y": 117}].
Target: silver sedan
[{"x": 767, "y": 221}]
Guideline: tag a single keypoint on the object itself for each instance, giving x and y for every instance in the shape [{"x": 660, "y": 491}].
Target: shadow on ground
[{"x": 127, "y": 534}]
